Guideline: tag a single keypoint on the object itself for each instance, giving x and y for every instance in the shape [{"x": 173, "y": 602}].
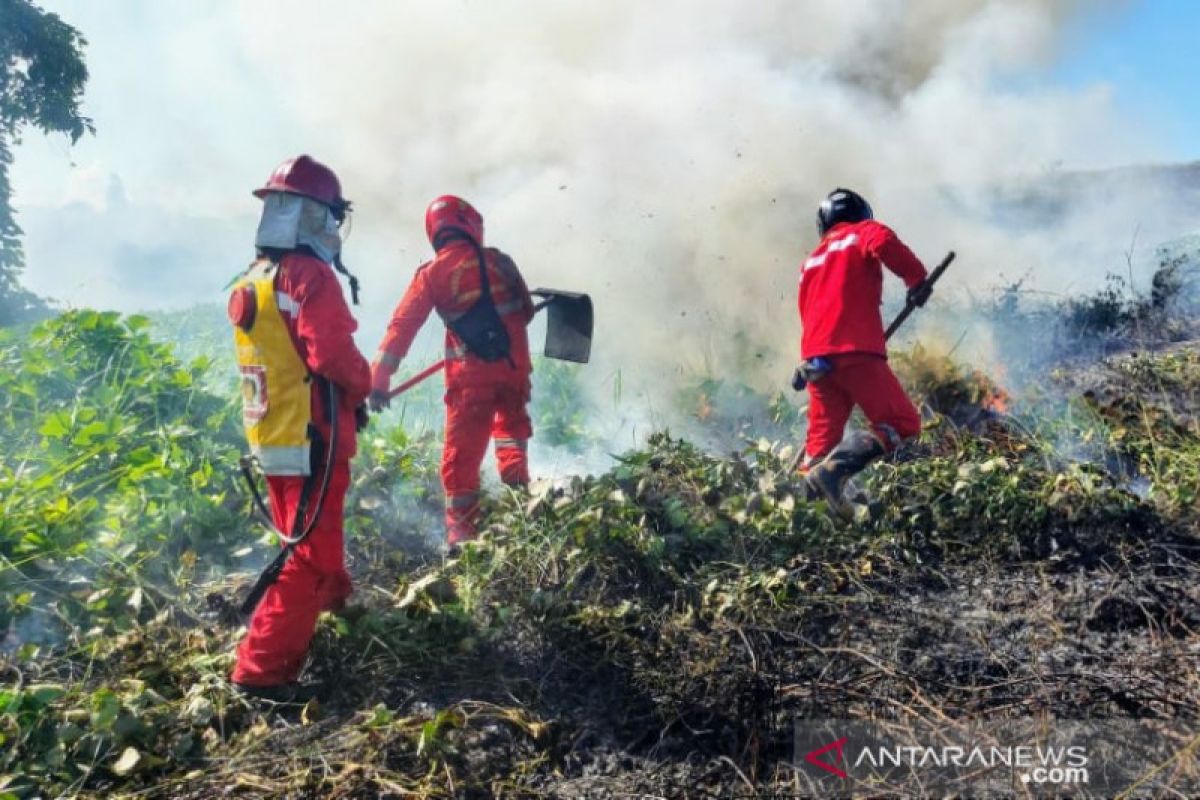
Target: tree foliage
[{"x": 42, "y": 75}]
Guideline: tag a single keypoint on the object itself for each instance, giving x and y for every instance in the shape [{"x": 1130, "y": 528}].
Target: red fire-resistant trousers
[
  {"x": 475, "y": 416},
  {"x": 313, "y": 580},
  {"x": 864, "y": 380}
]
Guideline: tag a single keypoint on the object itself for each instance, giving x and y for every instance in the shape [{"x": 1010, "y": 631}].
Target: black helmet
[{"x": 842, "y": 205}]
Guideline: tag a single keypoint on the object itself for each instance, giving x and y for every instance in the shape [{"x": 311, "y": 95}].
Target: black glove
[
  {"x": 798, "y": 380},
  {"x": 378, "y": 400},
  {"x": 361, "y": 418},
  {"x": 919, "y": 294}
]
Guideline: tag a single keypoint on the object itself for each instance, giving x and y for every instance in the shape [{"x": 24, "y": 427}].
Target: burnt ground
[{"x": 967, "y": 643}]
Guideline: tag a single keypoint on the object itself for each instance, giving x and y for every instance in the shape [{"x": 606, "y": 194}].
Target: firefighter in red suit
[
  {"x": 842, "y": 348},
  {"x": 486, "y": 393},
  {"x": 295, "y": 336}
]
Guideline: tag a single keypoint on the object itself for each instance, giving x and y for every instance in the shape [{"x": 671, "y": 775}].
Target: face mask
[{"x": 289, "y": 220}]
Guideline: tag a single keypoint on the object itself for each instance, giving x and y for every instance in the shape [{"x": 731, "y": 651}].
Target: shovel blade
[{"x": 568, "y": 325}]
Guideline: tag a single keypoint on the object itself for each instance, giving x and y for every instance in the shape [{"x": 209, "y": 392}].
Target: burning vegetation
[
  {"x": 656, "y": 626},
  {"x": 651, "y": 629}
]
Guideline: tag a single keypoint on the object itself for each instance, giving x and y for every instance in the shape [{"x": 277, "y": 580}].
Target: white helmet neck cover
[{"x": 290, "y": 220}]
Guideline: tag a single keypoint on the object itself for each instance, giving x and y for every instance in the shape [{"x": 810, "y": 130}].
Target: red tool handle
[
  {"x": 433, "y": 369},
  {"x": 415, "y": 379}
]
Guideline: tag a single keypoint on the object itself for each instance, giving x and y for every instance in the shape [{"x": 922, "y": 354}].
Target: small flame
[
  {"x": 997, "y": 402},
  {"x": 986, "y": 387},
  {"x": 995, "y": 398}
]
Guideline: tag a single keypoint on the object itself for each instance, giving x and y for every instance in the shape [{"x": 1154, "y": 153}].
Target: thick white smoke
[{"x": 667, "y": 157}]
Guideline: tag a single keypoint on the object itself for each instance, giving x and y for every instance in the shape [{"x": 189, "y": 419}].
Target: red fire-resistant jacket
[
  {"x": 322, "y": 328},
  {"x": 841, "y": 288},
  {"x": 450, "y": 284}
]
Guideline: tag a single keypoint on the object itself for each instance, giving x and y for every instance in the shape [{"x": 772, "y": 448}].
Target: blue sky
[{"x": 1149, "y": 52}]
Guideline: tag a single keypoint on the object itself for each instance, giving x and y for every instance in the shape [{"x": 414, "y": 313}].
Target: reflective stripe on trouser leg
[
  {"x": 511, "y": 430},
  {"x": 512, "y": 459},
  {"x": 462, "y": 512}
]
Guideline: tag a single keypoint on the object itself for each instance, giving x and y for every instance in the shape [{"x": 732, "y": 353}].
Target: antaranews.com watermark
[{"x": 844, "y": 758}]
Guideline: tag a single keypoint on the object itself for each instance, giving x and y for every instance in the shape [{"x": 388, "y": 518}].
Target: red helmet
[
  {"x": 452, "y": 213},
  {"x": 304, "y": 175}
]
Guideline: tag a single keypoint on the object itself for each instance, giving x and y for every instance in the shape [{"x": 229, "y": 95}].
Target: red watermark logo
[{"x": 812, "y": 757}]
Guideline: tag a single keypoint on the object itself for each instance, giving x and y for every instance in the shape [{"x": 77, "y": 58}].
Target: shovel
[
  {"x": 568, "y": 332},
  {"x": 568, "y": 324}
]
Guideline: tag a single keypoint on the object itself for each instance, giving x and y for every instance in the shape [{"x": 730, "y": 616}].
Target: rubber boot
[
  {"x": 828, "y": 479},
  {"x": 284, "y": 694}
]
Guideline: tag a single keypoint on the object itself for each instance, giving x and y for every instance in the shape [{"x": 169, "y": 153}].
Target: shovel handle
[
  {"x": 909, "y": 308},
  {"x": 433, "y": 369}
]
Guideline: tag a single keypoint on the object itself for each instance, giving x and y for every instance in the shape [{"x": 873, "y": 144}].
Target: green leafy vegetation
[
  {"x": 559, "y": 407},
  {"x": 653, "y": 628},
  {"x": 200, "y": 334},
  {"x": 117, "y": 479},
  {"x": 1147, "y": 405}
]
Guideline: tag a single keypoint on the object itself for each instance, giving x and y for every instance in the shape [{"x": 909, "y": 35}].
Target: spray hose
[{"x": 300, "y": 530}]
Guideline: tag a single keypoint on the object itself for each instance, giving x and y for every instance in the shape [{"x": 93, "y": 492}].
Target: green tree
[{"x": 42, "y": 76}]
